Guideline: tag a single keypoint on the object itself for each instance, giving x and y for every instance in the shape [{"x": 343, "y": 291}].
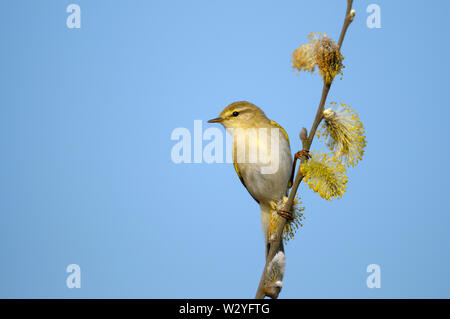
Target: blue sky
[{"x": 86, "y": 175}]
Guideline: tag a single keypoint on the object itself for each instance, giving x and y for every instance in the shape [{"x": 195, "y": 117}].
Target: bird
[{"x": 267, "y": 177}]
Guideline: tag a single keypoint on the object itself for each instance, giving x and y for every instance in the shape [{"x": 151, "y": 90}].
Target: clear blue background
[{"x": 86, "y": 175}]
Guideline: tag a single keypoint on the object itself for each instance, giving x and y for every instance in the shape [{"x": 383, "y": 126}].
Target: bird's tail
[{"x": 266, "y": 213}]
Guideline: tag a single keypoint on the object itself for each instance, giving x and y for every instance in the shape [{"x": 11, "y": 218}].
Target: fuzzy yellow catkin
[
  {"x": 303, "y": 58},
  {"x": 328, "y": 58},
  {"x": 325, "y": 175},
  {"x": 343, "y": 132},
  {"x": 320, "y": 51}
]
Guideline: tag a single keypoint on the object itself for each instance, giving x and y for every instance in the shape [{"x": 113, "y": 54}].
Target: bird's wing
[
  {"x": 282, "y": 129},
  {"x": 287, "y": 137},
  {"x": 242, "y": 179}
]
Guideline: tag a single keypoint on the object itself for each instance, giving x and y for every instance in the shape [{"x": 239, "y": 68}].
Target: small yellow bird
[{"x": 261, "y": 155}]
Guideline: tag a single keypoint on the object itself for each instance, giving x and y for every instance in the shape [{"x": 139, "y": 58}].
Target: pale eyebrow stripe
[{"x": 242, "y": 110}]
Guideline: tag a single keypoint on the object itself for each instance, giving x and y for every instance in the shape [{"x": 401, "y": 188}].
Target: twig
[{"x": 275, "y": 244}]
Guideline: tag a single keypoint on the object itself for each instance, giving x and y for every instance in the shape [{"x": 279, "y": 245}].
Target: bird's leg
[
  {"x": 298, "y": 155},
  {"x": 302, "y": 153},
  {"x": 285, "y": 214}
]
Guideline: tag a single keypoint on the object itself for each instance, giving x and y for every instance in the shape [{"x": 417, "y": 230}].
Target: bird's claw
[
  {"x": 302, "y": 153},
  {"x": 285, "y": 214}
]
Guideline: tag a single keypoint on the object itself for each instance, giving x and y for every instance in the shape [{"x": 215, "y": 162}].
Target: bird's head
[{"x": 241, "y": 115}]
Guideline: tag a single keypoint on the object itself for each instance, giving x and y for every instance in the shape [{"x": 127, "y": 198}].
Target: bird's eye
[{"x": 235, "y": 113}]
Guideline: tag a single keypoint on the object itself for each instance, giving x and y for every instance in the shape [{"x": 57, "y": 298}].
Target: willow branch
[{"x": 276, "y": 242}]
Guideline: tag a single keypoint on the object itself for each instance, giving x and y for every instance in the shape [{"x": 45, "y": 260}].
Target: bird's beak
[{"x": 216, "y": 120}]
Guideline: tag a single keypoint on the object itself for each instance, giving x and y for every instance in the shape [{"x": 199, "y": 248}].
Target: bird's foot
[
  {"x": 285, "y": 214},
  {"x": 302, "y": 153}
]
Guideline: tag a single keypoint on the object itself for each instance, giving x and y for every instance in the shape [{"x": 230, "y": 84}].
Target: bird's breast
[{"x": 264, "y": 162}]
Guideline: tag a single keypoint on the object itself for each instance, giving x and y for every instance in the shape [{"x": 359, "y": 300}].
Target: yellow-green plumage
[{"x": 266, "y": 182}]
